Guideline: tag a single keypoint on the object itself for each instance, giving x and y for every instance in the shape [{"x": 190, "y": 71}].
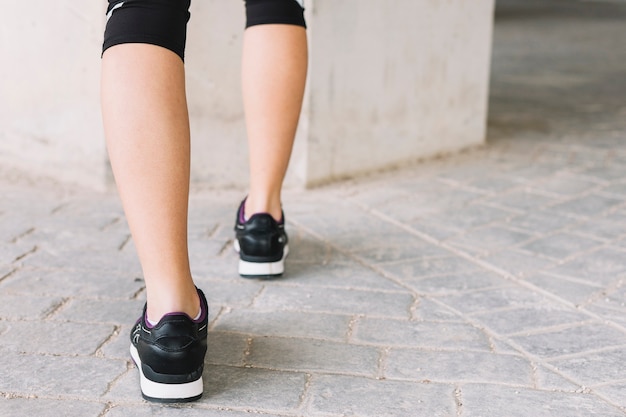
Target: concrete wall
[
  {"x": 389, "y": 83},
  {"x": 49, "y": 89}
]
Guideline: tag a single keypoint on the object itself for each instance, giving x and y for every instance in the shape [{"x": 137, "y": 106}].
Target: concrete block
[
  {"x": 594, "y": 368},
  {"x": 26, "y": 307},
  {"x": 314, "y": 356},
  {"x": 574, "y": 340},
  {"x": 55, "y": 338},
  {"x": 335, "y": 300},
  {"x": 59, "y": 376},
  {"x": 71, "y": 282},
  {"x": 346, "y": 395},
  {"x": 561, "y": 245},
  {"x": 521, "y": 320},
  {"x": 285, "y": 323},
  {"x": 391, "y": 333},
  {"x": 256, "y": 389},
  {"x": 49, "y": 408},
  {"x": 481, "y": 400},
  {"x": 425, "y": 92},
  {"x": 458, "y": 366}
]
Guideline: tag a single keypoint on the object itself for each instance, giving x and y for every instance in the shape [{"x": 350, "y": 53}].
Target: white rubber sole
[
  {"x": 265, "y": 269},
  {"x": 166, "y": 392}
]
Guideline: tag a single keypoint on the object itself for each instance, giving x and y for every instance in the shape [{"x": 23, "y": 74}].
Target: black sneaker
[
  {"x": 261, "y": 243},
  {"x": 170, "y": 355}
]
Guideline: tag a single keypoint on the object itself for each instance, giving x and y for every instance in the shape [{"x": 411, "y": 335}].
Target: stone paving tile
[
  {"x": 351, "y": 396},
  {"x": 55, "y": 338},
  {"x": 333, "y": 300},
  {"x": 68, "y": 282},
  {"x": 609, "y": 229},
  {"x": 432, "y": 335},
  {"x": 420, "y": 268},
  {"x": 311, "y": 355},
  {"x": 526, "y": 319},
  {"x": 601, "y": 267},
  {"x": 488, "y": 300},
  {"x": 428, "y": 309},
  {"x": 232, "y": 292},
  {"x": 86, "y": 378},
  {"x": 566, "y": 185},
  {"x": 568, "y": 289},
  {"x": 589, "y": 205},
  {"x": 518, "y": 263},
  {"x": 594, "y": 368},
  {"x": 457, "y": 283},
  {"x": 482, "y": 400},
  {"x": 573, "y": 340},
  {"x": 549, "y": 380},
  {"x": 177, "y": 411},
  {"x": 458, "y": 367},
  {"x": 339, "y": 272},
  {"x": 10, "y": 407},
  {"x": 117, "y": 346},
  {"x": 256, "y": 389},
  {"x": 489, "y": 238},
  {"x": 23, "y": 307},
  {"x": 227, "y": 348},
  {"x": 474, "y": 215},
  {"x": 541, "y": 221},
  {"x": 561, "y": 246},
  {"x": 285, "y": 323},
  {"x": 614, "y": 393},
  {"x": 100, "y": 311},
  {"x": 523, "y": 200}
]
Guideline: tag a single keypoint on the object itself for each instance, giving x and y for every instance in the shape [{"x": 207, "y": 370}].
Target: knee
[
  {"x": 260, "y": 12},
  {"x": 158, "y": 22}
]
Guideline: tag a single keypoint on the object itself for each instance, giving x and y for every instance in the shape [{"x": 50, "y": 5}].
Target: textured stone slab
[
  {"x": 457, "y": 283},
  {"x": 570, "y": 289},
  {"x": 311, "y": 355},
  {"x": 24, "y": 307},
  {"x": 595, "y": 368},
  {"x": 561, "y": 245},
  {"x": 490, "y": 238},
  {"x": 481, "y": 400},
  {"x": 55, "y": 338},
  {"x": 391, "y": 333},
  {"x": 347, "y": 396},
  {"x": 146, "y": 410},
  {"x": 590, "y": 205},
  {"x": 69, "y": 282},
  {"x": 602, "y": 267},
  {"x": 59, "y": 376},
  {"x": 333, "y": 300},
  {"x": 256, "y": 389},
  {"x": 101, "y": 311},
  {"x": 461, "y": 366},
  {"x": 574, "y": 340},
  {"x": 285, "y": 323},
  {"x": 483, "y": 301},
  {"x": 49, "y": 408},
  {"x": 530, "y": 318},
  {"x": 426, "y": 267}
]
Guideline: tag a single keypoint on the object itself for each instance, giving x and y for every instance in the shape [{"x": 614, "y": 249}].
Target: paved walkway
[{"x": 491, "y": 283}]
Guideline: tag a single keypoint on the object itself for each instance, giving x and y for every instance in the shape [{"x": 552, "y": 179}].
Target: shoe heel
[
  {"x": 166, "y": 393},
  {"x": 258, "y": 269}
]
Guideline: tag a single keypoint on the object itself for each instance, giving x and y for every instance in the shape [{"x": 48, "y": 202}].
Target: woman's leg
[
  {"x": 147, "y": 131},
  {"x": 274, "y": 67},
  {"x": 146, "y": 126}
]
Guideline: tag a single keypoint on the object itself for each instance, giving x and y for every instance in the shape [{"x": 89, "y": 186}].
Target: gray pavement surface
[{"x": 488, "y": 283}]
